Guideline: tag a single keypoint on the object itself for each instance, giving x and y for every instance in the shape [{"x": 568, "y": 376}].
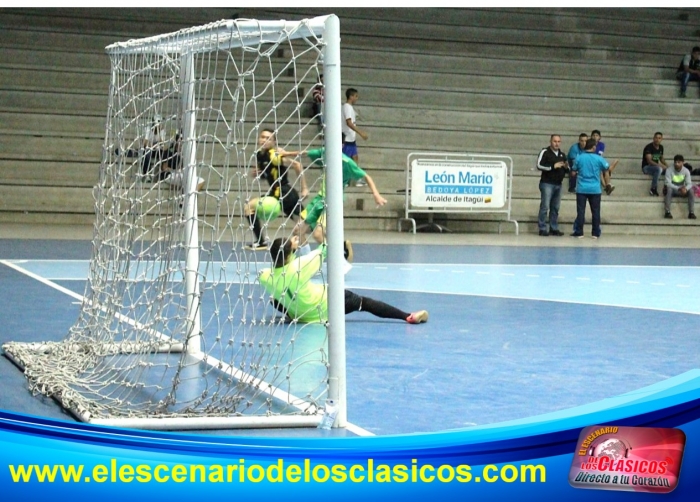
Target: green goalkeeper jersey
[{"x": 291, "y": 286}]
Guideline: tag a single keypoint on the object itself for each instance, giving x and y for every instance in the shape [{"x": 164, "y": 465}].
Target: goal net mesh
[{"x": 144, "y": 345}]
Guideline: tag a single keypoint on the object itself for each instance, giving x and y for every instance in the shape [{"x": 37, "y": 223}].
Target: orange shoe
[{"x": 418, "y": 317}]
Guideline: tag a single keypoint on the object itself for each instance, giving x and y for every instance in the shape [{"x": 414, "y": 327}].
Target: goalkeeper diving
[{"x": 289, "y": 284}]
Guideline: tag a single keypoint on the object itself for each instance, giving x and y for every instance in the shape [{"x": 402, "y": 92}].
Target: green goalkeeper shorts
[{"x": 314, "y": 210}]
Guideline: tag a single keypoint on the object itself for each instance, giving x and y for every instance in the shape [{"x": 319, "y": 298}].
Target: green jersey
[
  {"x": 291, "y": 286},
  {"x": 351, "y": 171}
]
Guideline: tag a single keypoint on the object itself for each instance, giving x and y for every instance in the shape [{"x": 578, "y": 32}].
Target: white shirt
[{"x": 348, "y": 113}]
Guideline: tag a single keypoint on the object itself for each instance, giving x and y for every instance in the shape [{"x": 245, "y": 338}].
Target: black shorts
[{"x": 291, "y": 202}]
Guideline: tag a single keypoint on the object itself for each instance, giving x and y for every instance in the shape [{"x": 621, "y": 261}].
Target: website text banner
[
  {"x": 458, "y": 183},
  {"x": 49, "y": 460}
]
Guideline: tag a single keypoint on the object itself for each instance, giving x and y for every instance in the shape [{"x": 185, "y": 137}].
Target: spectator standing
[
  {"x": 588, "y": 167},
  {"x": 553, "y": 165},
  {"x": 653, "y": 162},
  {"x": 350, "y": 129},
  {"x": 679, "y": 184},
  {"x": 689, "y": 70}
]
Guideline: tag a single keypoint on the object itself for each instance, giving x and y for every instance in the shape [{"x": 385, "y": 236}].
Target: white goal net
[{"x": 175, "y": 330}]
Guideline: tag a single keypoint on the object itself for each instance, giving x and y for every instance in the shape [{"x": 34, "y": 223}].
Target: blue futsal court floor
[{"x": 514, "y": 332}]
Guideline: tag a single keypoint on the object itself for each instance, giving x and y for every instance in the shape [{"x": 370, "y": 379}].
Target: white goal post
[{"x": 175, "y": 330}]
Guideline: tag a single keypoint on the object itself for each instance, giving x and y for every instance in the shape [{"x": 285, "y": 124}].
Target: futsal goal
[{"x": 175, "y": 330}]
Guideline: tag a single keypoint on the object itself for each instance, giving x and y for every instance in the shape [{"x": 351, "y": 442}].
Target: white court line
[
  {"x": 558, "y": 277},
  {"x": 526, "y": 298},
  {"x": 682, "y": 285},
  {"x": 42, "y": 280}
]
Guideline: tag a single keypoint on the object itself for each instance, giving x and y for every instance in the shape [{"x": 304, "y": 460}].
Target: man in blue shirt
[
  {"x": 575, "y": 150},
  {"x": 588, "y": 166}
]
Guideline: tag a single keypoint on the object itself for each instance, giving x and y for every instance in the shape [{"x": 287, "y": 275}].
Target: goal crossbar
[{"x": 225, "y": 34}]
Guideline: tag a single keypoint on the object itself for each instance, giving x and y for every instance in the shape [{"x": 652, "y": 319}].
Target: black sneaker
[
  {"x": 653, "y": 191},
  {"x": 544, "y": 233},
  {"x": 556, "y": 233},
  {"x": 668, "y": 215},
  {"x": 682, "y": 94},
  {"x": 578, "y": 236},
  {"x": 609, "y": 188},
  {"x": 691, "y": 216}
]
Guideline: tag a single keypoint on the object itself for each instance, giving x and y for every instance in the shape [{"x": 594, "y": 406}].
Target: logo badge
[{"x": 633, "y": 459}]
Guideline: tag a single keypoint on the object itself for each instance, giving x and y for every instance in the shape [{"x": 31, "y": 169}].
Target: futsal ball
[{"x": 268, "y": 208}]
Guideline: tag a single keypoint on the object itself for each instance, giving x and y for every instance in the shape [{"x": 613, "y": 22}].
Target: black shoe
[
  {"x": 691, "y": 216},
  {"x": 557, "y": 233},
  {"x": 544, "y": 233},
  {"x": 668, "y": 215},
  {"x": 609, "y": 188},
  {"x": 578, "y": 236},
  {"x": 653, "y": 191},
  {"x": 682, "y": 94},
  {"x": 572, "y": 190}
]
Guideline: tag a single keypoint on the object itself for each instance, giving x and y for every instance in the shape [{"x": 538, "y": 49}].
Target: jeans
[
  {"x": 655, "y": 172},
  {"x": 685, "y": 78},
  {"x": 673, "y": 192},
  {"x": 594, "y": 201},
  {"x": 550, "y": 200}
]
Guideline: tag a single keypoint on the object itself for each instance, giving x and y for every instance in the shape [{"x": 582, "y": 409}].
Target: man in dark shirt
[
  {"x": 553, "y": 165},
  {"x": 653, "y": 162}
]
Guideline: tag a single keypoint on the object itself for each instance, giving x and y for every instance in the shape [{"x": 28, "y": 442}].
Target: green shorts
[{"x": 314, "y": 210}]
